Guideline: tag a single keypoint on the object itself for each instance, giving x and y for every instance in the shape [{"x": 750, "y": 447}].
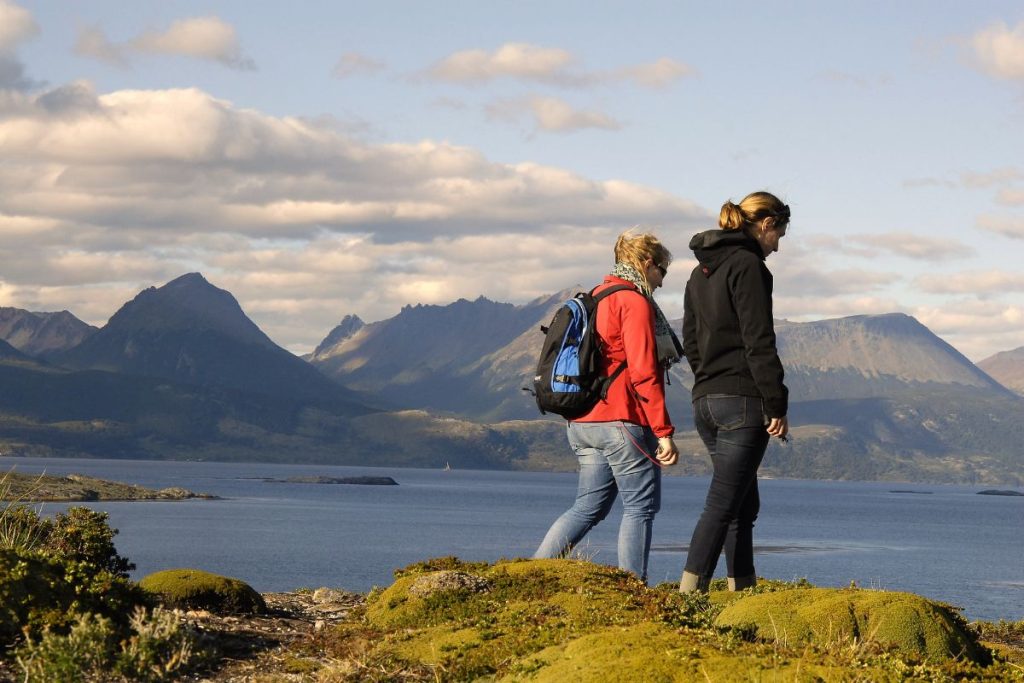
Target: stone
[{"x": 448, "y": 580}]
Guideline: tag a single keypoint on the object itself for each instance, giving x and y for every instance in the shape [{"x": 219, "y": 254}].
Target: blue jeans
[
  {"x": 611, "y": 461},
  {"x": 733, "y": 429}
]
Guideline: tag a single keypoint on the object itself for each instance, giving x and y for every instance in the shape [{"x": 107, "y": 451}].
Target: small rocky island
[
  {"x": 15, "y": 486},
  {"x": 997, "y": 492}
]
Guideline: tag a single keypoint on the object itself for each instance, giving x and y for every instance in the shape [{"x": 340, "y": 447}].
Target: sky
[{"x": 319, "y": 159}]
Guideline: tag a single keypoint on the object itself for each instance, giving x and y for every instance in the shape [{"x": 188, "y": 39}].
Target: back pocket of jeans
[{"x": 727, "y": 412}]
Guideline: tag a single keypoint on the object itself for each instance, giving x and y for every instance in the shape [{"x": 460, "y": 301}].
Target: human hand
[
  {"x": 667, "y": 453},
  {"x": 779, "y": 426}
]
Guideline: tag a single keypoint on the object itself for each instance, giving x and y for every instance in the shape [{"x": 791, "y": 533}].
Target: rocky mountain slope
[
  {"x": 463, "y": 358},
  {"x": 38, "y": 334},
  {"x": 194, "y": 333},
  {"x": 1007, "y": 367}
]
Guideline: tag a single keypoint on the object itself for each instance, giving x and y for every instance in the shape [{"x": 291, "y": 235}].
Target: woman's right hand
[{"x": 667, "y": 453}]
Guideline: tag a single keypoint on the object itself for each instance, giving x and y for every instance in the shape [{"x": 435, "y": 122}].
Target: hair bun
[{"x": 731, "y": 217}]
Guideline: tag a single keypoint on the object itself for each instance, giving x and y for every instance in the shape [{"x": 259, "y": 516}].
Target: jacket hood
[{"x": 714, "y": 247}]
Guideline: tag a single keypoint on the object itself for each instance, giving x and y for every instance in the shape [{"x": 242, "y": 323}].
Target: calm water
[{"x": 950, "y": 545}]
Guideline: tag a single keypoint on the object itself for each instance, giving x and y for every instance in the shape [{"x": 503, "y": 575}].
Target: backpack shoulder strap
[
  {"x": 607, "y": 381},
  {"x": 611, "y": 290}
]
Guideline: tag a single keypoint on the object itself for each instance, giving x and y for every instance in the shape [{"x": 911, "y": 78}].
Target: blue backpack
[{"x": 567, "y": 381}]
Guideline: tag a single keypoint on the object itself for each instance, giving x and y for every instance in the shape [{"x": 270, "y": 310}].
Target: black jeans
[{"x": 733, "y": 429}]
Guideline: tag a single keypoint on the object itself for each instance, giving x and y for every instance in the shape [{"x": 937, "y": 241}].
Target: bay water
[{"x": 943, "y": 542}]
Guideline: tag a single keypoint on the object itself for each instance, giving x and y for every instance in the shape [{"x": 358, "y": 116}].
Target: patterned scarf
[{"x": 669, "y": 349}]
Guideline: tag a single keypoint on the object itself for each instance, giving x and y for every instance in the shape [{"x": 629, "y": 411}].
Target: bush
[
  {"x": 83, "y": 535},
  {"x": 39, "y": 592},
  {"x": 78, "y": 656},
  {"x": 20, "y": 527},
  {"x": 195, "y": 589},
  {"x": 80, "y": 534},
  {"x": 160, "y": 647}
]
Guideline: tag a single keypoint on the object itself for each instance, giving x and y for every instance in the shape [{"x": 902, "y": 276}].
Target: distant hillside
[
  {"x": 1007, "y": 367},
  {"x": 430, "y": 357},
  {"x": 48, "y": 411},
  {"x": 192, "y": 332},
  {"x": 872, "y": 397},
  {"x": 9, "y": 353},
  {"x": 871, "y": 355},
  {"x": 181, "y": 372},
  {"x": 38, "y": 334}
]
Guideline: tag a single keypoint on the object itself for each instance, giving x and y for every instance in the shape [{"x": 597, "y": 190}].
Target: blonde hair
[
  {"x": 755, "y": 207},
  {"x": 634, "y": 248}
]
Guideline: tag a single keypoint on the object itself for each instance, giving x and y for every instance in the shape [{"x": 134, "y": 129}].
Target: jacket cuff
[{"x": 775, "y": 407}]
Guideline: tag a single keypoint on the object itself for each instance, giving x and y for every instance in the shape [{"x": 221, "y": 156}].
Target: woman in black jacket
[{"x": 739, "y": 400}]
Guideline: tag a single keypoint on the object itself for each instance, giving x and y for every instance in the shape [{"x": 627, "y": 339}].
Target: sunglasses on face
[{"x": 661, "y": 269}]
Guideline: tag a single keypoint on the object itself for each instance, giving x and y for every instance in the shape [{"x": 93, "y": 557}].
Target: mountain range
[{"x": 181, "y": 372}]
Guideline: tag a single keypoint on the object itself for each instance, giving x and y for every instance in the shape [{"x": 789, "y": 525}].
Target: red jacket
[{"x": 625, "y": 326}]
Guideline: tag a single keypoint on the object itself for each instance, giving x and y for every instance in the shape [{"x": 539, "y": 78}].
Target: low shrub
[
  {"x": 84, "y": 535},
  {"x": 195, "y": 589},
  {"x": 39, "y": 592},
  {"x": 80, "y": 534},
  {"x": 159, "y": 648}
]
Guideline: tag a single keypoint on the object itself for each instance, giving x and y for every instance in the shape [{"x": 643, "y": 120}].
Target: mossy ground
[
  {"x": 832, "y": 617},
  {"x": 570, "y": 620},
  {"x": 195, "y": 589}
]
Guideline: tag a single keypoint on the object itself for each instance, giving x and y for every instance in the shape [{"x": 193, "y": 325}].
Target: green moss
[
  {"x": 299, "y": 665},
  {"x": 527, "y": 606},
  {"x": 836, "y": 617},
  {"x": 570, "y": 620},
  {"x": 195, "y": 589},
  {"x": 657, "y": 653}
]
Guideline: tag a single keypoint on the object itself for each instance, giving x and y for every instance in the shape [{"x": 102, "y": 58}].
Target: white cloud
[
  {"x": 515, "y": 60},
  {"x": 209, "y": 38},
  {"x": 980, "y": 283},
  {"x": 659, "y": 74},
  {"x": 550, "y": 114},
  {"x": 999, "y": 176},
  {"x": 796, "y": 279},
  {"x": 814, "y": 307},
  {"x": 1010, "y": 196},
  {"x": 353, "y": 63},
  {"x": 906, "y": 244},
  {"x": 303, "y": 223},
  {"x": 977, "y": 328},
  {"x": 1008, "y": 226},
  {"x": 999, "y": 50},
  {"x": 552, "y": 66},
  {"x": 16, "y": 25}
]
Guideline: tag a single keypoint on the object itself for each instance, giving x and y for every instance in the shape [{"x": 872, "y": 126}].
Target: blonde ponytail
[{"x": 755, "y": 207}]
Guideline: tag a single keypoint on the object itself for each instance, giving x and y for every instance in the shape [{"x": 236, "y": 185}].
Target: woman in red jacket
[{"x": 623, "y": 441}]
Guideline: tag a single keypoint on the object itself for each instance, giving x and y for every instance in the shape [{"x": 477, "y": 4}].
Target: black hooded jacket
[{"x": 728, "y": 330}]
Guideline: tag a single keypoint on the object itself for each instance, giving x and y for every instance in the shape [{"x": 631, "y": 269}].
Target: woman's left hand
[{"x": 779, "y": 426}]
